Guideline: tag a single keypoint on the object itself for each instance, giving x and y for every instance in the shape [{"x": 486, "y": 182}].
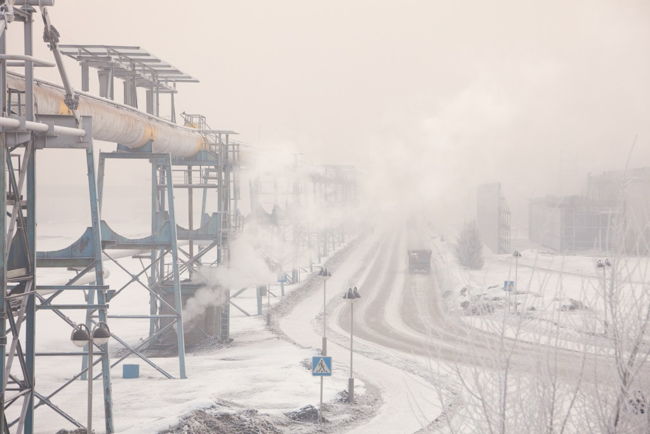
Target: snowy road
[
  {"x": 399, "y": 328},
  {"x": 406, "y": 312},
  {"x": 408, "y": 401},
  {"x": 401, "y": 325}
]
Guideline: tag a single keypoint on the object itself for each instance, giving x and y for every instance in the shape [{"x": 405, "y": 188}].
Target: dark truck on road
[{"x": 420, "y": 261}]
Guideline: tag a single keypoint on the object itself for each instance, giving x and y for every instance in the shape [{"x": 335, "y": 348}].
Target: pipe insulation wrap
[
  {"x": 40, "y": 127},
  {"x": 114, "y": 122}
]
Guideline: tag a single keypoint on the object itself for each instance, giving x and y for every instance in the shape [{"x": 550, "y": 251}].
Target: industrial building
[
  {"x": 570, "y": 223},
  {"x": 613, "y": 214},
  {"x": 628, "y": 193},
  {"x": 493, "y": 217}
]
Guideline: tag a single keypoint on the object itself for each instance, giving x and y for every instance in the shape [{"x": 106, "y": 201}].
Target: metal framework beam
[{"x": 163, "y": 245}]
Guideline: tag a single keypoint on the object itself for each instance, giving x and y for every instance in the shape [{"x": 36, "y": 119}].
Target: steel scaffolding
[
  {"x": 171, "y": 255},
  {"x": 22, "y": 134}
]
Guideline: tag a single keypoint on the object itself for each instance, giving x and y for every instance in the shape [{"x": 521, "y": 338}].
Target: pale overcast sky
[{"x": 430, "y": 97}]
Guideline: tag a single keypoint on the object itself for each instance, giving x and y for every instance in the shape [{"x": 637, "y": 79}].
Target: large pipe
[
  {"x": 113, "y": 122},
  {"x": 40, "y": 127}
]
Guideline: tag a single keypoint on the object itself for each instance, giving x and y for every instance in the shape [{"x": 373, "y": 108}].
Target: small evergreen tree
[{"x": 469, "y": 249}]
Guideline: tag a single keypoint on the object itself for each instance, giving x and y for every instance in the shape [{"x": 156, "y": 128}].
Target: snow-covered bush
[{"x": 469, "y": 249}]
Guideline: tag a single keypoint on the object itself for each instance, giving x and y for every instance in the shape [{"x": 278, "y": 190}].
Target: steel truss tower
[
  {"x": 22, "y": 134},
  {"x": 172, "y": 255},
  {"x": 163, "y": 250},
  {"x": 333, "y": 186},
  {"x": 214, "y": 172},
  {"x": 324, "y": 186}
]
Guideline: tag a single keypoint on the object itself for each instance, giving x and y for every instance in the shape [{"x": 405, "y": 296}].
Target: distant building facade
[
  {"x": 570, "y": 223},
  {"x": 627, "y": 192},
  {"x": 613, "y": 214},
  {"x": 493, "y": 217}
]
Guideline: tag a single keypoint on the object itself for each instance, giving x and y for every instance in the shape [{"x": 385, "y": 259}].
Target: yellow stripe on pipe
[
  {"x": 149, "y": 133},
  {"x": 200, "y": 144},
  {"x": 63, "y": 109}
]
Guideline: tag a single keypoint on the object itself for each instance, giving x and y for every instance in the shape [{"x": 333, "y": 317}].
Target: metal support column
[
  {"x": 30, "y": 321},
  {"x": 180, "y": 334},
  {"x": 3, "y": 231},
  {"x": 99, "y": 276},
  {"x": 85, "y": 77}
]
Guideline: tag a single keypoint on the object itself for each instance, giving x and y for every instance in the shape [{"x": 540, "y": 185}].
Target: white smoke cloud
[
  {"x": 272, "y": 242},
  {"x": 247, "y": 268}
]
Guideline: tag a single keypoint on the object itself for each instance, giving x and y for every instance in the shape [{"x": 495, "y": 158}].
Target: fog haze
[{"x": 427, "y": 98}]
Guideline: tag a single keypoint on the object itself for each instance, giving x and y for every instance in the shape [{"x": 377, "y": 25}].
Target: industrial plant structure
[
  {"x": 570, "y": 223},
  {"x": 614, "y": 213},
  {"x": 627, "y": 194},
  {"x": 191, "y": 159},
  {"x": 302, "y": 203}
]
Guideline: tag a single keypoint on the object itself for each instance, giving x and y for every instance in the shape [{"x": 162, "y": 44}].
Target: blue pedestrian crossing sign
[{"x": 321, "y": 366}]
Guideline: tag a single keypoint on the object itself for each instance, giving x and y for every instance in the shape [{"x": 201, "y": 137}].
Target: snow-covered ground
[
  {"x": 257, "y": 370},
  {"x": 556, "y": 295},
  {"x": 268, "y": 372}
]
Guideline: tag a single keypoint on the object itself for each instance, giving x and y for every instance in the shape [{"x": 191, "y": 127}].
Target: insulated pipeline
[
  {"x": 40, "y": 127},
  {"x": 114, "y": 122}
]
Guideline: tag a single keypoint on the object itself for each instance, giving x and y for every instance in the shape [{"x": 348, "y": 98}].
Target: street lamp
[
  {"x": 603, "y": 264},
  {"x": 351, "y": 294},
  {"x": 325, "y": 274},
  {"x": 81, "y": 337},
  {"x": 516, "y": 255},
  {"x": 268, "y": 305}
]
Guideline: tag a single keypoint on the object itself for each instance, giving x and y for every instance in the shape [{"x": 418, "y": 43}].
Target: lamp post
[
  {"x": 351, "y": 294},
  {"x": 268, "y": 305},
  {"x": 603, "y": 264},
  {"x": 81, "y": 336},
  {"x": 325, "y": 274},
  {"x": 516, "y": 255}
]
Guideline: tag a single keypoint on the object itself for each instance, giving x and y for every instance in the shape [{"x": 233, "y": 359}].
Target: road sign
[{"x": 321, "y": 366}]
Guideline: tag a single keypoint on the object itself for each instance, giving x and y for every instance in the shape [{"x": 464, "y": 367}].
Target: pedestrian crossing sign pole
[{"x": 321, "y": 366}]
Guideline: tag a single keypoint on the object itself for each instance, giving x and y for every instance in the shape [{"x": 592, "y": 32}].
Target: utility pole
[
  {"x": 321, "y": 366},
  {"x": 517, "y": 255},
  {"x": 351, "y": 295},
  {"x": 83, "y": 337},
  {"x": 268, "y": 305},
  {"x": 325, "y": 274}
]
